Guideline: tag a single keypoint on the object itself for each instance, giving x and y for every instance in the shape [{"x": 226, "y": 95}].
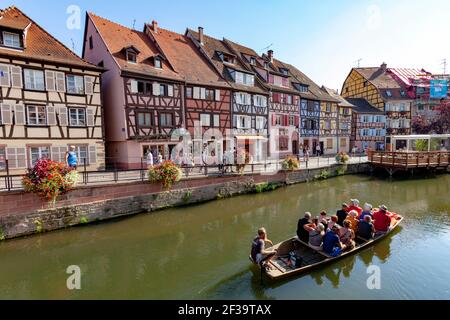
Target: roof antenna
[
  {"x": 73, "y": 44},
  {"x": 134, "y": 24},
  {"x": 358, "y": 62},
  {"x": 444, "y": 65},
  {"x": 268, "y": 47}
]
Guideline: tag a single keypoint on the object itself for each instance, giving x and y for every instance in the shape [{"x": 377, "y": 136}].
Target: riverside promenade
[{"x": 93, "y": 178}]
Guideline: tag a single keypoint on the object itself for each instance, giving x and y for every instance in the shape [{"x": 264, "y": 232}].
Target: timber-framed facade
[{"x": 47, "y": 103}]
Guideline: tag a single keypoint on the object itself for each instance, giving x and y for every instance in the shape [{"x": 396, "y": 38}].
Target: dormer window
[
  {"x": 266, "y": 65},
  {"x": 284, "y": 71},
  {"x": 11, "y": 40},
  {"x": 389, "y": 93},
  {"x": 158, "y": 63},
  {"x": 253, "y": 61},
  {"x": 131, "y": 56}
]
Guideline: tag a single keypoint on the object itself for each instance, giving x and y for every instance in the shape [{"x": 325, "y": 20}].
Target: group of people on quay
[{"x": 335, "y": 234}]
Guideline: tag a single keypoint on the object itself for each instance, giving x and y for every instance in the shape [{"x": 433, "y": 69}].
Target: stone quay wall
[{"x": 23, "y": 214}]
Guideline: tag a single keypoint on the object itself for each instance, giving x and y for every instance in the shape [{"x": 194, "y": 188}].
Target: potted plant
[
  {"x": 166, "y": 173},
  {"x": 342, "y": 158},
  {"x": 290, "y": 164},
  {"x": 49, "y": 180}
]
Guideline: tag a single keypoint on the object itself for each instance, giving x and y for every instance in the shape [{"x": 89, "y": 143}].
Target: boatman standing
[{"x": 259, "y": 254}]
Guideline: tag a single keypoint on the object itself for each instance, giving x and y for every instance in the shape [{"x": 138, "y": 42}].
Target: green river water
[{"x": 201, "y": 252}]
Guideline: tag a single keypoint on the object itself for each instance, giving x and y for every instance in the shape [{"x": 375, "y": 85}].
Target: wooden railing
[{"x": 411, "y": 159}]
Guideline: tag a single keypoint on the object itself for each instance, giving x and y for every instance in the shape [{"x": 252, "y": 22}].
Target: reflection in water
[{"x": 201, "y": 251}]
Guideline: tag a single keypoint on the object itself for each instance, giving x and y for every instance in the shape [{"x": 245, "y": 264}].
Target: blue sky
[{"x": 323, "y": 38}]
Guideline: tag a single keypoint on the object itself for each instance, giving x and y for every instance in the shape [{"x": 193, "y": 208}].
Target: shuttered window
[
  {"x": 16, "y": 77},
  {"x": 34, "y": 79},
  {"x": 2, "y": 158},
  {"x": 19, "y": 113},
  {"x": 38, "y": 152},
  {"x": 134, "y": 86},
  {"x": 156, "y": 89},
  {"x": 50, "y": 80},
  {"x": 58, "y": 154},
  {"x": 77, "y": 117},
  {"x": 16, "y": 158},
  {"x": 5, "y": 113},
  {"x": 60, "y": 82},
  {"x": 75, "y": 84},
  {"x": 4, "y": 75},
  {"x": 62, "y": 114},
  {"x": 89, "y": 85}
]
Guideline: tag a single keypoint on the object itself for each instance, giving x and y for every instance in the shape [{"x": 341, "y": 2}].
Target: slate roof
[{"x": 363, "y": 106}]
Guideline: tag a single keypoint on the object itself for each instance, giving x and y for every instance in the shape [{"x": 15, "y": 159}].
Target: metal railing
[
  {"x": 114, "y": 174},
  {"x": 410, "y": 159}
]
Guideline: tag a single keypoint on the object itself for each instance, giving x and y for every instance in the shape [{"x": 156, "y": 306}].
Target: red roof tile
[
  {"x": 39, "y": 44},
  {"x": 186, "y": 59},
  {"x": 118, "y": 37}
]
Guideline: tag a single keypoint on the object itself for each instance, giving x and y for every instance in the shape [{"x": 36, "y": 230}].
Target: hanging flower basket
[
  {"x": 49, "y": 180},
  {"x": 342, "y": 158},
  {"x": 166, "y": 173},
  {"x": 290, "y": 164}
]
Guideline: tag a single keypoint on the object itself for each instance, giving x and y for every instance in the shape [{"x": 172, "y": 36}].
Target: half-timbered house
[
  {"x": 143, "y": 97},
  {"x": 381, "y": 90},
  {"x": 313, "y": 98},
  {"x": 343, "y": 121},
  {"x": 249, "y": 101},
  {"x": 49, "y": 98},
  {"x": 207, "y": 97},
  {"x": 368, "y": 126}
]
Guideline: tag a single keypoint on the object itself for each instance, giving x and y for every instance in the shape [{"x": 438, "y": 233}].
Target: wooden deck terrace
[{"x": 393, "y": 161}]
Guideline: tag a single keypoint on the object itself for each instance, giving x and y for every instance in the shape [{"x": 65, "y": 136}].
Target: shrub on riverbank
[
  {"x": 265, "y": 187},
  {"x": 324, "y": 175},
  {"x": 166, "y": 173},
  {"x": 49, "y": 179},
  {"x": 290, "y": 164}
]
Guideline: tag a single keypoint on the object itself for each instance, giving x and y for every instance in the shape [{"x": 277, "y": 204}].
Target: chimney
[
  {"x": 200, "y": 35},
  {"x": 270, "y": 54},
  {"x": 155, "y": 26},
  {"x": 384, "y": 66}
]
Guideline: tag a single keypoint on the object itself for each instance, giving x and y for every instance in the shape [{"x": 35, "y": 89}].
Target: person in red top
[
  {"x": 382, "y": 221},
  {"x": 354, "y": 205}
]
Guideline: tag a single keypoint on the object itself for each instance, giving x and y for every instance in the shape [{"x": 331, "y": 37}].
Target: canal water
[{"x": 200, "y": 252}]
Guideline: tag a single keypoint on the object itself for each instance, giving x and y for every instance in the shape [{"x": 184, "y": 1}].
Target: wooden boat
[{"x": 280, "y": 266}]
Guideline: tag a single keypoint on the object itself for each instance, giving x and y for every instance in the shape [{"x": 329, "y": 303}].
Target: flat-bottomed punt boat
[{"x": 281, "y": 266}]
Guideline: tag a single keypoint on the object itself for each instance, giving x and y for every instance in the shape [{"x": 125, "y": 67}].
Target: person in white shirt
[{"x": 149, "y": 158}]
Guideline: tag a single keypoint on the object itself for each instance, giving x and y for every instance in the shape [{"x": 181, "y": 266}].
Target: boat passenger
[
  {"x": 347, "y": 235},
  {"x": 302, "y": 234},
  {"x": 324, "y": 219},
  {"x": 332, "y": 241},
  {"x": 354, "y": 205},
  {"x": 366, "y": 228},
  {"x": 259, "y": 254},
  {"x": 342, "y": 214},
  {"x": 333, "y": 222},
  {"x": 353, "y": 218},
  {"x": 382, "y": 220},
  {"x": 316, "y": 233},
  {"x": 366, "y": 212}
]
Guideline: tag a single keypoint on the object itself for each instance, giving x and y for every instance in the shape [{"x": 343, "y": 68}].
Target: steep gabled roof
[
  {"x": 211, "y": 47},
  {"x": 117, "y": 37},
  {"x": 186, "y": 59},
  {"x": 337, "y": 96},
  {"x": 39, "y": 44}
]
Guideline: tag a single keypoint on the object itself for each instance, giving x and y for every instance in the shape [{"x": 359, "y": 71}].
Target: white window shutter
[
  {"x": 62, "y": 116},
  {"x": 90, "y": 117},
  {"x": 202, "y": 93},
  {"x": 16, "y": 77},
  {"x": 6, "y": 113},
  {"x": 92, "y": 155},
  {"x": 134, "y": 86},
  {"x": 60, "y": 82},
  {"x": 50, "y": 80},
  {"x": 19, "y": 113},
  {"x": 170, "y": 90},
  {"x": 196, "y": 93},
  {"x": 51, "y": 116},
  {"x": 217, "y": 94},
  {"x": 4, "y": 76},
  {"x": 89, "y": 85},
  {"x": 156, "y": 89}
]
